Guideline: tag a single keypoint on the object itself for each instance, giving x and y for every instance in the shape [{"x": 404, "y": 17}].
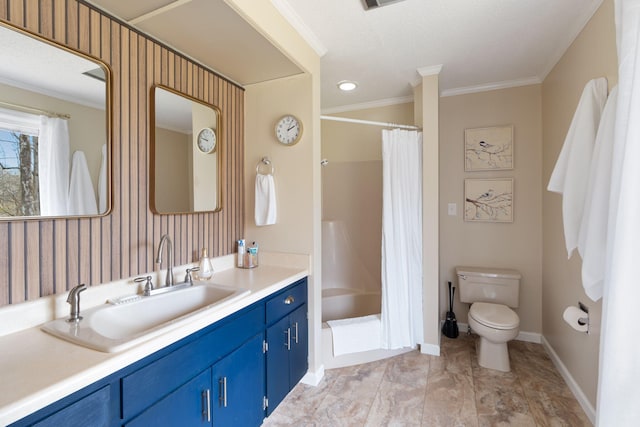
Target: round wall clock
[
  {"x": 288, "y": 130},
  {"x": 206, "y": 140}
]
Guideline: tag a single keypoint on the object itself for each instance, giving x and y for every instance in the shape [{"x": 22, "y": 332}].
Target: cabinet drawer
[
  {"x": 286, "y": 301},
  {"x": 92, "y": 410}
]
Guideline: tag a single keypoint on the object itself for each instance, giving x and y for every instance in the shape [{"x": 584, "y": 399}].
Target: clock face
[
  {"x": 288, "y": 130},
  {"x": 207, "y": 140}
]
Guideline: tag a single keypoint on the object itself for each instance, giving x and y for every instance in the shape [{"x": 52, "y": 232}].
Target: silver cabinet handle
[
  {"x": 289, "y": 300},
  {"x": 288, "y": 342},
  {"x": 295, "y": 338},
  {"x": 206, "y": 405},
  {"x": 222, "y": 384}
]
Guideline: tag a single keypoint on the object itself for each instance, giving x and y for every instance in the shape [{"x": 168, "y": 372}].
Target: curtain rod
[
  {"x": 34, "y": 110},
  {"x": 370, "y": 122}
]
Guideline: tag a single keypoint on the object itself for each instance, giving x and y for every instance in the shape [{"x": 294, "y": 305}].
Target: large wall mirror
[
  {"x": 54, "y": 130},
  {"x": 185, "y": 154}
]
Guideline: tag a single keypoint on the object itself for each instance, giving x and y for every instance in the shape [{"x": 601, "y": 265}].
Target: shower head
[{"x": 372, "y": 4}]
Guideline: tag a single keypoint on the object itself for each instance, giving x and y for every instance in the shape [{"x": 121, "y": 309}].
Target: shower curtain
[
  {"x": 53, "y": 166},
  {"x": 619, "y": 376},
  {"x": 402, "y": 320}
]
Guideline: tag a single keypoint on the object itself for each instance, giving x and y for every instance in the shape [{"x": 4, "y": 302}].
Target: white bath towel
[
  {"x": 266, "y": 211},
  {"x": 593, "y": 230},
  {"x": 571, "y": 171},
  {"x": 82, "y": 197},
  {"x": 356, "y": 334},
  {"x": 103, "y": 201}
]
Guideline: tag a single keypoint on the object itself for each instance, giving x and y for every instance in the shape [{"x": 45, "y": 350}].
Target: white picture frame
[
  {"x": 488, "y": 200},
  {"x": 489, "y": 148}
]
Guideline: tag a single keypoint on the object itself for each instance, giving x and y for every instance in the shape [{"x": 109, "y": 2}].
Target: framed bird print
[
  {"x": 488, "y": 200},
  {"x": 488, "y": 148}
]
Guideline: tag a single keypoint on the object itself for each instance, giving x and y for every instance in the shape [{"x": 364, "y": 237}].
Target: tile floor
[{"x": 451, "y": 390}]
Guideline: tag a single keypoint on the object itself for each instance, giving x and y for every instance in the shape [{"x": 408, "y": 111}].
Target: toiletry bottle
[
  {"x": 242, "y": 249},
  {"x": 206, "y": 269}
]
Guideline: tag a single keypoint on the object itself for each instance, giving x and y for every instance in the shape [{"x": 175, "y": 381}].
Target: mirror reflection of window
[{"x": 64, "y": 98}]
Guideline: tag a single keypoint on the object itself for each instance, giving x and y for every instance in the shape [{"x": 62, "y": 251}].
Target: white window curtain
[
  {"x": 53, "y": 166},
  {"x": 619, "y": 377},
  {"x": 402, "y": 319}
]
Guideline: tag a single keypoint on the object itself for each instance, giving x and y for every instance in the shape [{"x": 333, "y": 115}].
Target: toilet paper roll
[{"x": 572, "y": 316}]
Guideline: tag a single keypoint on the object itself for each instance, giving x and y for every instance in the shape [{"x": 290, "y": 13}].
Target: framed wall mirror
[
  {"x": 55, "y": 129},
  {"x": 185, "y": 153}
]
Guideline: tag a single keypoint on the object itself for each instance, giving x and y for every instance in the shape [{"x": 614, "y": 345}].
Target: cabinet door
[
  {"x": 189, "y": 405},
  {"x": 298, "y": 357},
  {"x": 279, "y": 340},
  {"x": 239, "y": 388}
]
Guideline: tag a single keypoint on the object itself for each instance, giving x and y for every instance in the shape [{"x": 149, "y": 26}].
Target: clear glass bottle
[{"x": 206, "y": 269}]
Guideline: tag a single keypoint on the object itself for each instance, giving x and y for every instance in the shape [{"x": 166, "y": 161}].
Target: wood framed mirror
[
  {"x": 55, "y": 129},
  {"x": 185, "y": 146}
]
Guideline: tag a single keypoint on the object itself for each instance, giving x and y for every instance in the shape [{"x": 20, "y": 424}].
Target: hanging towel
[
  {"x": 593, "y": 230},
  {"x": 266, "y": 211},
  {"x": 356, "y": 334},
  {"x": 103, "y": 202},
  {"x": 53, "y": 166},
  {"x": 571, "y": 172},
  {"x": 82, "y": 197}
]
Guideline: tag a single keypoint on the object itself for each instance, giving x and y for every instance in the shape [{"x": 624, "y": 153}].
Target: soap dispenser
[{"x": 206, "y": 269}]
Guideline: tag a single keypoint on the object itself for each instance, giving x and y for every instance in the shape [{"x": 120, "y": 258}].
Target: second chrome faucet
[{"x": 166, "y": 240}]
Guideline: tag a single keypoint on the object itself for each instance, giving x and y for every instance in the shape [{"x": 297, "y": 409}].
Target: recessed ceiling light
[{"x": 347, "y": 85}]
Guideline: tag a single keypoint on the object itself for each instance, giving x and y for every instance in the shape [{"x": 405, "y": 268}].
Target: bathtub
[{"x": 344, "y": 303}]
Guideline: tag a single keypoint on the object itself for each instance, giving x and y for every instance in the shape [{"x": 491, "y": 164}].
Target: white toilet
[{"x": 491, "y": 292}]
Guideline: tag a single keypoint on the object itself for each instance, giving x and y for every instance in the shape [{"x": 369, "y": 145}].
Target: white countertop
[{"x": 38, "y": 369}]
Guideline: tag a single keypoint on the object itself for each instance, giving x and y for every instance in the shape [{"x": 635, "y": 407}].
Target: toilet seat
[{"x": 497, "y": 316}]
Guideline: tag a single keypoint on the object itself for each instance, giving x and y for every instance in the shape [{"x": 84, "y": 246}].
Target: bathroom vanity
[{"x": 232, "y": 367}]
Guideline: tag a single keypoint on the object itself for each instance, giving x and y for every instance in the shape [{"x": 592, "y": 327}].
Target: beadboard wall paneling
[{"x": 43, "y": 257}]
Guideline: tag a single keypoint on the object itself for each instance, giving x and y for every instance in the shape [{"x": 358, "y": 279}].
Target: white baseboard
[
  {"x": 431, "y": 349},
  {"x": 313, "y": 378},
  {"x": 573, "y": 385}
]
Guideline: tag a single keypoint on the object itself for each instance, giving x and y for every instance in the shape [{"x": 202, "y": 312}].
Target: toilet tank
[{"x": 496, "y": 285}]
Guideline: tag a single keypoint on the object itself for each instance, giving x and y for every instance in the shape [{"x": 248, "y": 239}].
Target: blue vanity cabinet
[
  {"x": 218, "y": 376},
  {"x": 287, "y": 339}
]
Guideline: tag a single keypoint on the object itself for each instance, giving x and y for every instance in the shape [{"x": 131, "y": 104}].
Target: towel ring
[{"x": 265, "y": 162}]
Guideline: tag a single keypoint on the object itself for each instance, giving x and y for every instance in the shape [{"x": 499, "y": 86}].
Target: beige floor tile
[{"x": 396, "y": 404}]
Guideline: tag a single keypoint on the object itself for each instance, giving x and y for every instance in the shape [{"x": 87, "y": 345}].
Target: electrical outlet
[{"x": 452, "y": 209}]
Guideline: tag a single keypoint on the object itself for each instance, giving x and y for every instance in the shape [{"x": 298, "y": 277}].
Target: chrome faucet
[
  {"x": 74, "y": 300},
  {"x": 165, "y": 238}
]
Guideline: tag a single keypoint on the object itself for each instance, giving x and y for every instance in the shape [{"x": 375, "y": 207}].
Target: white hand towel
[
  {"x": 593, "y": 230},
  {"x": 356, "y": 334},
  {"x": 571, "y": 172},
  {"x": 265, "y": 213},
  {"x": 82, "y": 197}
]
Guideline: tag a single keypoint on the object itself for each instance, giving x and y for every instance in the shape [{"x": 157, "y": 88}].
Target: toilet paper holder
[{"x": 584, "y": 320}]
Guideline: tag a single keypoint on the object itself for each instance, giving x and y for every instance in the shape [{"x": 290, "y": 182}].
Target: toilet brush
[{"x": 450, "y": 327}]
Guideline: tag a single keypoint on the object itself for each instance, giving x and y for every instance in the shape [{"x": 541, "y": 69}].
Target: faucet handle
[
  {"x": 187, "y": 277},
  {"x": 148, "y": 286}
]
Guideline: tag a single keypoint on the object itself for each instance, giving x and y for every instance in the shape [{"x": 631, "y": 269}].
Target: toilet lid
[{"x": 497, "y": 316}]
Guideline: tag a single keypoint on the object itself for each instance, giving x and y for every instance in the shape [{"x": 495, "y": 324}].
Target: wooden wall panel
[{"x": 42, "y": 257}]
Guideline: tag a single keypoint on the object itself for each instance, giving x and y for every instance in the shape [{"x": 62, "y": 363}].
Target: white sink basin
[{"x": 112, "y": 328}]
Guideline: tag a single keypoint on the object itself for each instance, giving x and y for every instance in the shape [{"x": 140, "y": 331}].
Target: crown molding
[
  {"x": 298, "y": 24},
  {"x": 491, "y": 86}
]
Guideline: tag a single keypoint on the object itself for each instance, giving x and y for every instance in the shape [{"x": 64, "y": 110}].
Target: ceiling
[{"x": 480, "y": 44}]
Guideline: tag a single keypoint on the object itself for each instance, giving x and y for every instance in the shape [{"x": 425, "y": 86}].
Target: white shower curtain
[
  {"x": 402, "y": 320},
  {"x": 53, "y": 166},
  {"x": 619, "y": 377}
]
